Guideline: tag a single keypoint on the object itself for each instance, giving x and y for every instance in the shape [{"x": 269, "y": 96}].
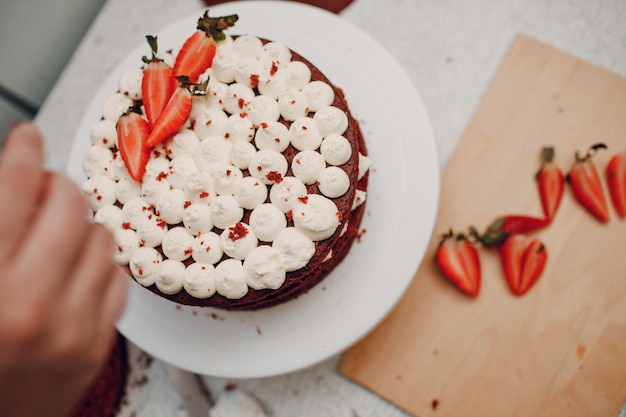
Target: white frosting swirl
[
  {"x": 297, "y": 75},
  {"x": 272, "y": 83},
  {"x": 115, "y": 105},
  {"x": 262, "y": 109},
  {"x": 267, "y": 221},
  {"x": 275, "y": 53},
  {"x": 319, "y": 94},
  {"x": 268, "y": 166},
  {"x": 212, "y": 152},
  {"x": 307, "y": 166},
  {"x": 239, "y": 127},
  {"x": 333, "y": 182},
  {"x": 169, "y": 280},
  {"x": 293, "y": 105},
  {"x": 247, "y": 46},
  {"x": 225, "y": 211},
  {"x": 152, "y": 189},
  {"x": 304, "y": 134},
  {"x": 336, "y": 149},
  {"x": 177, "y": 243},
  {"x": 197, "y": 219},
  {"x": 265, "y": 268},
  {"x": 226, "y": 178},
  {"x": 273, "y": 136},
  {"x": 100, "y": 191},
  {"x": 331, "y": 120},
  {"x": 151, "y": 231},
  {"x": 241, "y": 154},
  {"x": 135, "y": 211},
  {"x": 223, "y": 66},
  {"x": 157, "y": 168},
  {"x": 207, "y": 248},
  {"x": 211, "y": 122},
  {"x": 296, "y": 247},
  {"x": 109, "y": 216},
  {"x": 130, "y": 83},
  {"x": 183, "y": 143},
  {"x": 250, "y": 192},
  {"x": 98, "y": 161},
  {"x": 246, "y": 69},
  {"x": 104, "y": 133},
  {"x": 145, "y": 264},
  {"x": 126, "y": 243},
  {"x": 230, "y": 279},
  {"x": 237, "y": 98},
  {"x": 170, "y": 205},
  {"x": 199, "y": 188},
  {"x": 285, "y": 194},
  {"x": 180, "y": 169},
  {"x": 316, "y": 217},
  {"x": 199, "y": 280},
  {"x": 238, "y": 241},
  {"x": 127, "y": 188}
]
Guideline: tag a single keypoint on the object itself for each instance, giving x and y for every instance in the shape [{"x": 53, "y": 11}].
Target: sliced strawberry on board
[
  {"x": 158, "y": 83},
  {"x": 198, "y": 51},
  {"x": 173, "y": 117},
  {"x": 551, "y": 183},
  {"x": 458, "y": 259},
  {"x": 586, "y": 185},
  {"x": 616, "y": 179},
  {"x": 504, "y": 226},
  {"x": 523, "y": 260},
  {"x": 132, "y": 135}
]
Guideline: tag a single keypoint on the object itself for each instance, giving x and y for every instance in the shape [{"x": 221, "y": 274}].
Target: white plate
[{"x": 401, "y": 208}]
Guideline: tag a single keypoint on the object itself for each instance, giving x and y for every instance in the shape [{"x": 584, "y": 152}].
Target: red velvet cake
[{"x": 241, "y": 184}]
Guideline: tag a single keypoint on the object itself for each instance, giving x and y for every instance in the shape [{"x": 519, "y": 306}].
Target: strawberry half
[
  {"x": 523, "y": 260},
  {"x": 616, "y": 179},
  {"x": 458, "y": 260},
  {"x": 158, "y": 83},
  {"x": 551, "y": 183},
  {"x": 505, "y": 226},
  {"x": 586, "y": 185},
  {"x": 173, "y": 117},
  {"x": 198, "y": 51},
  {"x": 132, "y": 135}
]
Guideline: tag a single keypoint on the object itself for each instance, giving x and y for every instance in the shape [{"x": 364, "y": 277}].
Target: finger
[
  {"x": 115, "y": 297},
  {"x": 83, "y": 293},
  {"x": 53, "y": 243},
  {"x": 21, "y": 181}
]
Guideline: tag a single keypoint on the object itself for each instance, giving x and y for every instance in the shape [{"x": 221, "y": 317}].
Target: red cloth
[{"x": 334, "y": 6}]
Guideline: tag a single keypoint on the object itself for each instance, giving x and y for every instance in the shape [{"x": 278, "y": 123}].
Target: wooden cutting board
[{"x": 560, "y": 350}]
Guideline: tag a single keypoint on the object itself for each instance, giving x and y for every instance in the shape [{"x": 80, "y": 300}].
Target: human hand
[{"x": 60, "y": 291}]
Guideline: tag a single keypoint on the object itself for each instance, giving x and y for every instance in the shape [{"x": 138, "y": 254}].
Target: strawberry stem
[
  {"x": 593, "y": 149},
  {"x": 215, "y": 26}
]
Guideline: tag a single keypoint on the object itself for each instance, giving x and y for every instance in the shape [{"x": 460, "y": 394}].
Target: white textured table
[{"x": 450, "y": 49}]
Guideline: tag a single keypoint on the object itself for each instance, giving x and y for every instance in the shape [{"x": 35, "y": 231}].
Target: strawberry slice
[
  {"x": 551, "y": 181},
  {"x": 458, "y": 260},
  {"x": 616, "y": 179},
  {"x": 504, "y": 226},
  {"x": 158, "y": 83},
  {"x": 523, "y": 260},
  {"x": 586, "y": 184},
  {"x": 173, "y": 117},
  {"x": 198, "y": 51},
  {"x": 132, "y": 135}
]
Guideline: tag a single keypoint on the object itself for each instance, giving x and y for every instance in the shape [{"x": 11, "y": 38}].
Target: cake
[
  {"x": 104, "y": 397},
  {"x": 254, "y": 199}
]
